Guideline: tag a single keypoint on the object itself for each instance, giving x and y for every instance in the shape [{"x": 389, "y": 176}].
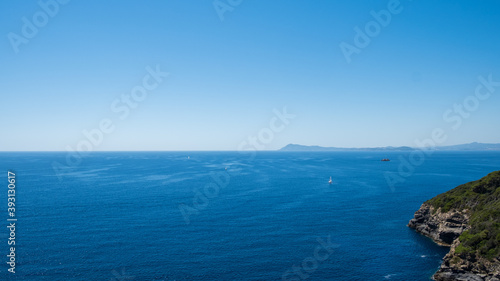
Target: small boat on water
[
  {"x": 330, "y": 181},
  {"x": 385, "y": 160}
]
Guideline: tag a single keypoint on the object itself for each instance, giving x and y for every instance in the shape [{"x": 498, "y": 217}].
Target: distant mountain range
[{"x": 475, "y": 146}]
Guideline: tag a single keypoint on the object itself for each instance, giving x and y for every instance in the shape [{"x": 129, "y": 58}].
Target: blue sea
[{"x": 227, "y": 215}]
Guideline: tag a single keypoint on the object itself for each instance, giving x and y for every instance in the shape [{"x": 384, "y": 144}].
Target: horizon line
[{"x": 257, "y": 150}]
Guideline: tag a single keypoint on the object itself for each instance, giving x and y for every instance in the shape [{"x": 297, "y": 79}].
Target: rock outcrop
[
  {"x": 467, "y": 268},
  {"x": 443, "y": 228},
  {"x": 466, "y": 219}
]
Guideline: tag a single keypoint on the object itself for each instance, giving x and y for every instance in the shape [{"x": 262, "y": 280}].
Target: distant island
[
  {"x": 467, "y": 219},
  {"x": 475, "y": 146}
]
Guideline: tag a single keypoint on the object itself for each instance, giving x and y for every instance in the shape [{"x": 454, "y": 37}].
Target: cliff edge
[{"x": 466, "y": 219}]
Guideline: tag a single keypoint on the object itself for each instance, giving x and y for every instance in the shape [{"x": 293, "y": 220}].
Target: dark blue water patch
[{"x": 116, "y": 216}]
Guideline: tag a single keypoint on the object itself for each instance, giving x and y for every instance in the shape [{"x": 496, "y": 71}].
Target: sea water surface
[{"x": 117, "y": 215}]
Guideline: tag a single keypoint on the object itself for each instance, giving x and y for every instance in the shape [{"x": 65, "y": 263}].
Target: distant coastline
[{"x": 474, "y": 146}]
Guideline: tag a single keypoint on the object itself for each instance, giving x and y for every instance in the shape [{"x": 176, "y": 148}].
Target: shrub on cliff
[{"x": 482, "y": 199}]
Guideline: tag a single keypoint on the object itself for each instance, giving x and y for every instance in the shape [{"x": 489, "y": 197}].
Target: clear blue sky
[{"x": 226, "y": 77}]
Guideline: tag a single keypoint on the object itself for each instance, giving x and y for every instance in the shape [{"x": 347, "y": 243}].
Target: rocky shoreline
[{"x": 445, "y": 228}]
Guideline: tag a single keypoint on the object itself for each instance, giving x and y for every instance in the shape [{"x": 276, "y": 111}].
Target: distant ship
[
  {"x": 385, "y": 159},
  {"x": 330, "y": 181}
]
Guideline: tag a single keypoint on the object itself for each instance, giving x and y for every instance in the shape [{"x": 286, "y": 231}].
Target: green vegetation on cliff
[{"x": 482, "y": 199}]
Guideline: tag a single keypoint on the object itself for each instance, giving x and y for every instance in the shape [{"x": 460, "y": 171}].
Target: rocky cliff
[
  {"x": 467, "y": 219},
  {"x": 443, "y": 228}
]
